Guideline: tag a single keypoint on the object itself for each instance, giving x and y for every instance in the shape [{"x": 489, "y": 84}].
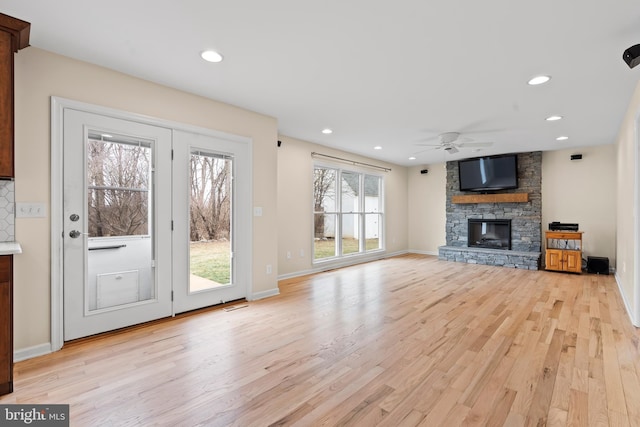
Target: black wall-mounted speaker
[
  {"x": 424, "y": 171},
  {"x": 279, "y": 143},
  {"x": 632, "y": 56},
  {"x": 576, "y": 156},
  {"x": 597, "y": 265}
]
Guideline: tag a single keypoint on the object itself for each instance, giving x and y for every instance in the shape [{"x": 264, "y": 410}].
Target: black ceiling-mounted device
[{"x": 632, "y": 56}]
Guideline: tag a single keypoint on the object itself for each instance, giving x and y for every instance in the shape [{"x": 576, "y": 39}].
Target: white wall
[
  {"x": 40, "y": 75},
  {"x": 628, "y": 190},
  {"x": 583, "y": 192},
  {"x": 426, "y": 208}
]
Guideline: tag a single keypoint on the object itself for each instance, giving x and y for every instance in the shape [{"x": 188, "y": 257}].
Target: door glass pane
[
  {"x": 120, "y": 243},
  {"x": 210, "y": 221}
]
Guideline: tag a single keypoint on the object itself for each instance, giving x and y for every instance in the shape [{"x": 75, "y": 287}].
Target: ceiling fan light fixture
[
  {"x": 451, "y": 149},
  {"x": 538, "y": 80},
  {"x": 211, "y": 56}
]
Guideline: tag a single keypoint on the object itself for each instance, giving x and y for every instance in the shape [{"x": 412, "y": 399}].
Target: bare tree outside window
[
  {"x": 324, "y": 182},
  {"x": 210, "y": 213},
  {"x": 210, "y": 198},
  {"x": 118, "y": 188}
]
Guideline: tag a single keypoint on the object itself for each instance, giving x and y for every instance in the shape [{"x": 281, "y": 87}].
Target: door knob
[{"x": 74, "y": 234}]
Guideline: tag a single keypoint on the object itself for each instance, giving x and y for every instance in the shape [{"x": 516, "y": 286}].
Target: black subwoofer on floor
[{"x": 597, "y": 265}]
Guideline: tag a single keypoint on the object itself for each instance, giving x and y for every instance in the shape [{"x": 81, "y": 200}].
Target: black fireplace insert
[{"x": 489, "y": 233}]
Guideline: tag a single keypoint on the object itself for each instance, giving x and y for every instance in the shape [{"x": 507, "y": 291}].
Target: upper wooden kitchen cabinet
[{"x": 14, "y": 35}]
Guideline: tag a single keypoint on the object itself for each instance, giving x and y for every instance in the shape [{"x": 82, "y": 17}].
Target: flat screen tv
[{"x": 489, "y": 173}]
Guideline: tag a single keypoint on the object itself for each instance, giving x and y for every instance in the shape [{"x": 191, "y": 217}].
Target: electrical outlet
[
  {"x": 30, "y": 210},
  {"x": 269, "y": 269},
  {"x": 288, "y": 254},
  {"x": 301, "y": 253}
]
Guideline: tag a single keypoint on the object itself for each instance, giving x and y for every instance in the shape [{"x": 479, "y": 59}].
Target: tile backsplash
[{"x": 7, "y": 211}]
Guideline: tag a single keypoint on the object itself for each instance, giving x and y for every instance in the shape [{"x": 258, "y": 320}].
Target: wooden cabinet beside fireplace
[{"x": 564, "y": 251}]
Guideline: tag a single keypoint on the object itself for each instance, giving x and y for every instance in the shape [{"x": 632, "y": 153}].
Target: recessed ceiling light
[
  {"x": 562, "y": 138},
  {"x": 327, "y": 131},
  {"x": 211, "y": 56},
  {"x": 553, "y": 118},
  {"x": 538, "y": 80},
  {"x": 412, "y": 158},
  {"x": 377, "y": 147}
]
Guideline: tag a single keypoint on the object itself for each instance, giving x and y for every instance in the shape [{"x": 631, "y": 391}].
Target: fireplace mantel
[{"x": 491, "y": 198}]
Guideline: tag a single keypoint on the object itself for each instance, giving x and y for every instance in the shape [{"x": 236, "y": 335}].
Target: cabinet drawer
[{"x": 568, "y": 235}]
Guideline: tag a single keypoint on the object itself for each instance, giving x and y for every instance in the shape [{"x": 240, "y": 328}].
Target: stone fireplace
[
  {"x": 489, "y": 233},
  {"x": 523, "y": 216}
]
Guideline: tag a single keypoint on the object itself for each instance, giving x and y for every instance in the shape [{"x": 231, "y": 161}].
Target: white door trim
[{"x": 58, "y": 105}]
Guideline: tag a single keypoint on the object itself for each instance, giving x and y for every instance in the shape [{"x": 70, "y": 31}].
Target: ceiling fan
[{"x": 452, "y": 141}]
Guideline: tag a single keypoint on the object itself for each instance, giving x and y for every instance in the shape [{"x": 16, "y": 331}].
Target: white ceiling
[{"x": 377, "y": 72}]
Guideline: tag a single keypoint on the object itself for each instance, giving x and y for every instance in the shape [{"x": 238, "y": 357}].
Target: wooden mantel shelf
[{"x": 491, "y": 198}]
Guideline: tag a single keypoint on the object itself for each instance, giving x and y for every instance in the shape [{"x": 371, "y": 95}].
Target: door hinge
[
  {"x": 172, "y": 154},
  {"x": 171, "y": 295},
  {"x": 153, "y": 263},
  {"x": 171, "y": 225}
]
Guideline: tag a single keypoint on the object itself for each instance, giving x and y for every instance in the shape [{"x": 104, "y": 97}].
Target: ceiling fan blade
[
  {"x": 429, "y": 145},
  {"x": 476, "y": 144}
]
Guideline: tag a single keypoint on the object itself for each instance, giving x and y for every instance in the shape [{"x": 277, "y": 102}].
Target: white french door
[
  {"x": 155, "y": 221},
  {"x": 116, "y": 223},
  {"x": 211, "y": 211}
]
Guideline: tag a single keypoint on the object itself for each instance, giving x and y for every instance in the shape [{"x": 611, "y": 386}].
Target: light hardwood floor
[{"x": 405, "y": 341}]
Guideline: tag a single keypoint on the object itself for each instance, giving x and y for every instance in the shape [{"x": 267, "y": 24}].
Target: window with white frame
[{"x": 347, "y": 213}]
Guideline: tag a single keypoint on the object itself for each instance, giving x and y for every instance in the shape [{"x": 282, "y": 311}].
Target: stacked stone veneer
[{"x": 526, "y": 220}]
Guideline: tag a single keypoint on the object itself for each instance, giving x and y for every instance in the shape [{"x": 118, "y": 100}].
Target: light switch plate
[{"x": 30, "y": 210}]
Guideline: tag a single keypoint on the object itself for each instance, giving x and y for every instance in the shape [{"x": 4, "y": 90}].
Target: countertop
[{"x": 10, "y": 248}]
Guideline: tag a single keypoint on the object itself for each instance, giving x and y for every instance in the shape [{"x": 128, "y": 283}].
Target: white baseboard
[
  {"x": 331, "y": 265},
  {"x": 630, "y": 312},
  {"x": 264, "y": 294},
  {"x": 31, "y": 352},
  {"x": 416, "y": 251}
]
